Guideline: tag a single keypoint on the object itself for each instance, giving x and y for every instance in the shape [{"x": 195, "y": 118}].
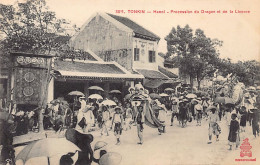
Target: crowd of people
[
  {"x": 122, "y": 117},
  {"x": 186, "y": 108}
]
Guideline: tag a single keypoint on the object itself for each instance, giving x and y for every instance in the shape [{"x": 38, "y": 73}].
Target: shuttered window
[
  {"x": 136, "y": 54},
  {"x": 151, "y": 56}
]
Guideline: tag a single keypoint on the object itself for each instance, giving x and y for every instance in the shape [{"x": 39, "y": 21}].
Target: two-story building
[{"x": 119, "y": 39}]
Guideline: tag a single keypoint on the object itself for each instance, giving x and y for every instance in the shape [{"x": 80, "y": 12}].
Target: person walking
[
  {"x": 175, "y": 110},
  {"x": 140, "y": 121},
  {"x": 85, "y": 119},
  {"x": 162, "y": 118},
  {"x": 183, "y": 113},
  {"x": 105, "y": 119},
  {"x": 117, "y": 121},
  {"x": 255, "y": 122},
  {"x": 243, "y": 118},
  {"x": 198, "y": 110},
  {"x": 233, "y": 136},
  {"x": 129, "y": 116},
  {"x": 213, "y": 125}
]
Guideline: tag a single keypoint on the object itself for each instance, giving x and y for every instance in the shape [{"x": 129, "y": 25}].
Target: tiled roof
[
  {"x": 139, "y": 30},
  {"x": 167, "y": 72},
  {"x": 152, "y": 74},
  {"x": 92, "y": 70},
  {"x": 87, "y": 67}
]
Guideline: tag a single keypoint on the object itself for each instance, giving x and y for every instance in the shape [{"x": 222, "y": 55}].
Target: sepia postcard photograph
[{"x": 120, "y": 82}]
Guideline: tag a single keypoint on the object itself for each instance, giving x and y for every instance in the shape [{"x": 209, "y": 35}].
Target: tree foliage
[
  {"x": 195, "y": 54},
  {"x": 247, "y": 72},
  {"x": 30, "y": 26}
]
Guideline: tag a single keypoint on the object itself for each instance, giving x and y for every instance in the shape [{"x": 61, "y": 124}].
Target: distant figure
[
  {"x": 175, "y": 111},
  {"x": 198, "y": 110},
  {"x": 117, "y": 121},
  {"x": 140, "y": 121},
  {"x": 129, "y": 116},
  {"x": 213, "y": 125},
  {"x": 105, "y": 120}
]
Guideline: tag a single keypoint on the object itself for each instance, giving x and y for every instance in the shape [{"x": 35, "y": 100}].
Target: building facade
[{"x": 119, "y": 39}]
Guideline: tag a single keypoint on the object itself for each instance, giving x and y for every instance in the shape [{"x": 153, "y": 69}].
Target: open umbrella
[
  {"x": 115, "y": 91},
  {"x": 224, "y": 100},
  {"x": 168, "y": 89},
  {"x": 191, "y": 96},
  {"x": 251, "y": 88},
  {"x": 110, "y": 158},
  {"x": 210, "y": 108},
  {"x": 47, "y": 148},
  {"x": 163, "y": 95},
  {"x": 154, "y": 96},
  {"x": 96, "y": 88},
  {"x": 95, "y": 96},
  {"x": 76, "y": 93},
  {"x": 108, "y": 102}
]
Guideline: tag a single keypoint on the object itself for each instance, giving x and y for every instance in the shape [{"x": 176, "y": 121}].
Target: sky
[{"x": 240, "y": 32}]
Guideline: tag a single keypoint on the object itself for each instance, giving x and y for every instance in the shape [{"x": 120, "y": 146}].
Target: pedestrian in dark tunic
[
  {"x": 233, "y": 136},
  {"x": 243, "y": 118},
  {"x": 183, "y": 114},
  {"x": 255, "y": 120}
]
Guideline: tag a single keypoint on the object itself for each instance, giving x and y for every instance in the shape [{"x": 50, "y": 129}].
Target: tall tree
[
  {"x": 194, "y": 53},
  {"x": 246, "y": 71},
  {"x": 30, "y": 27}
]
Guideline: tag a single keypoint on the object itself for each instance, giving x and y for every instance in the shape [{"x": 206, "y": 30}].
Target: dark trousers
[
  {"x": 255, "y": 127},
  {"x": 174, "y": 114}
]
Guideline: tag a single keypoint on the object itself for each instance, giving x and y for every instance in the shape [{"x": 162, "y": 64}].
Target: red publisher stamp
[{"x": 245, "y": 151}]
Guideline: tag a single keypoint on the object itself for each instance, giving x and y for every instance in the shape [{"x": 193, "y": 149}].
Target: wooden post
[{"x": 44, "y": 96}]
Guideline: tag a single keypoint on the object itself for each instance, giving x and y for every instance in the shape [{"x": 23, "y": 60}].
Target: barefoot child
[
  {"x": 233, "y": 131},
  {"x": 118, "y": 120}
]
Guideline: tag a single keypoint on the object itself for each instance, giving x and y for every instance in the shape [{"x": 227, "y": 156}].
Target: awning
[
  {"x": 167, "y": 72},
  {"x": 92, "y": 70},
  {"x": 158, "y": 82},
  {"x": 152, "y": 74}
]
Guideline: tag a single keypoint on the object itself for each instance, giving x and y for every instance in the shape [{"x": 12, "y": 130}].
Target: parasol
[
  {"x": 168, "y": 89},
  {"x": 95, "y": 96},
  {"x": 96, "y": 88},
  {"x": 251, "y": 88},
  {"x": 115, "y": 92},
  {"x": 210, "y": 108},
  {"x": 76, "y": 93},
  {"x": 47, "y": 148},
  {"x": 108, "y": 102},
  {"x": 191, "y": 96},
  {"x": 163, "y": 95}
]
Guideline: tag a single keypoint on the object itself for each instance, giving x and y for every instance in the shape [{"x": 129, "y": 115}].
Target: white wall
[{"x": 145, "y": 46}]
